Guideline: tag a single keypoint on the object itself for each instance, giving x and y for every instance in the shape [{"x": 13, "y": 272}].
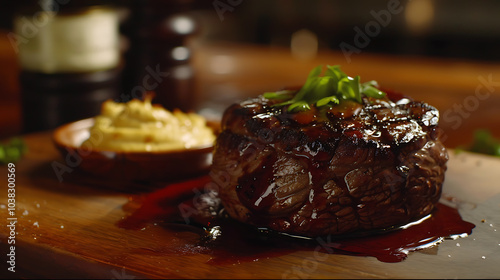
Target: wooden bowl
[{"x": 156, "y": 166}]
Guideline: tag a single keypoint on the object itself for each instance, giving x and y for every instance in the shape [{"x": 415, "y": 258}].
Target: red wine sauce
[{"x": 229, "y": 241}]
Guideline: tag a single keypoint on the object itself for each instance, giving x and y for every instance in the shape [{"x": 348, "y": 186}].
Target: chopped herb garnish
[
  {"x": 328, "y": 89},
  {"x": 12, "y": 151},
  {"x": 283, "y": 94}
]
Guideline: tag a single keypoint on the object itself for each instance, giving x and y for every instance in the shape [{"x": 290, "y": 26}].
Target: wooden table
[{"x": 68, "y": 229}]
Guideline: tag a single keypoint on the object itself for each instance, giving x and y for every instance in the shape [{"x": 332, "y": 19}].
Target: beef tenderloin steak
[{"x": 353, "y": 167}]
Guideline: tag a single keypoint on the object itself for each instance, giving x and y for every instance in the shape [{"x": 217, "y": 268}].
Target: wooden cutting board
[{"x": 68, "y": 229}]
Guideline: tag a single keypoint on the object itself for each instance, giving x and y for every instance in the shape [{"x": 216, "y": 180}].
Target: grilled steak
[{"x": 353, "y": 167}]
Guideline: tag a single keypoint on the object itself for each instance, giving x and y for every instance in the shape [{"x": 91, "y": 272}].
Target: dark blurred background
[{"x": 446, "y": 28}]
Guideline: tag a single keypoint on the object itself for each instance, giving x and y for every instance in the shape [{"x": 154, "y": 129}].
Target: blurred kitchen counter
[{"x": 467, "y": 93}]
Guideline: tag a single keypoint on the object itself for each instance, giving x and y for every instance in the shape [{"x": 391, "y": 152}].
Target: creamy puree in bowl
[{"x": 138, "y": 126}]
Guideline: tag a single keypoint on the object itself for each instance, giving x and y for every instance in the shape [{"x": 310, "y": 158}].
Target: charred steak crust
[{"x": 355, "y": 167}]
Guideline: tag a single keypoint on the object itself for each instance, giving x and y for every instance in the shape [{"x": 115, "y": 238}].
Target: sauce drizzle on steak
[{"x": 352, "y": 167}]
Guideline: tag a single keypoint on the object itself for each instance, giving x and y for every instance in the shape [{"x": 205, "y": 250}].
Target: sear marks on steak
[{"x": 353, "y": 167}]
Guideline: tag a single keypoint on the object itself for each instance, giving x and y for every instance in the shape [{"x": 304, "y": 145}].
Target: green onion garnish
[{"x": 329, "y": 89}]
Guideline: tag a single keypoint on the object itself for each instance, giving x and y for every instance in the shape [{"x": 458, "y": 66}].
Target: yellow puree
[{"x": 139, "y": 126}]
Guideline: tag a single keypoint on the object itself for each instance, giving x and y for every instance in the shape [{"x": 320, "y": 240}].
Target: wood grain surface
[{"x": 68, "y": 230}]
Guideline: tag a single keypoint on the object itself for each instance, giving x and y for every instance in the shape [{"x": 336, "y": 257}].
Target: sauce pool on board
[{"x": 228, "y": 241}]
